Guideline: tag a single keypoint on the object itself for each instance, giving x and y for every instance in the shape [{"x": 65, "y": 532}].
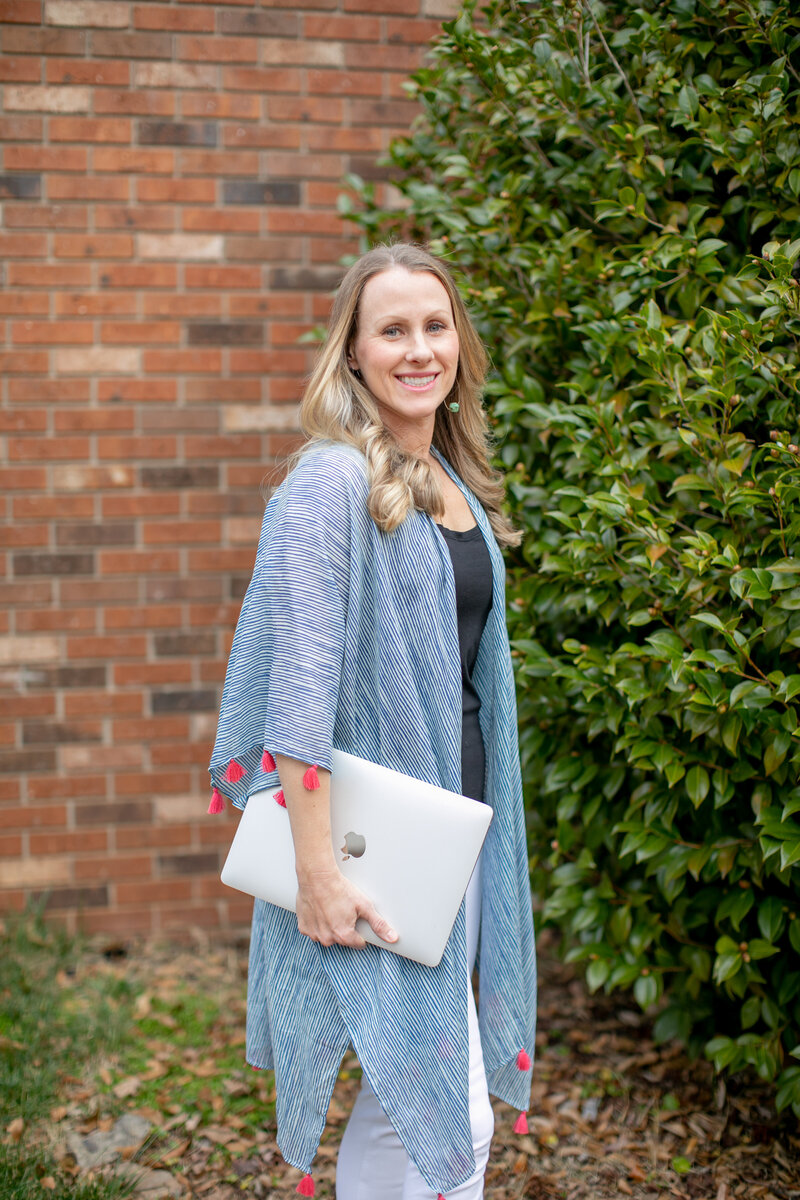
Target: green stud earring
[{"x": 454, "y": 407}]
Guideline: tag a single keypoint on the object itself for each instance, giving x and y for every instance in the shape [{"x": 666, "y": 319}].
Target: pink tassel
[
  {"x": 217, "y": 804},
  {"x": 311, "y": 779},
  {"x": 440, "y": 1196},
  {"x": 521, "y": 1124},
  {"x": 234, "y": 772},
  {"x": 523, "y": 1061},
  {"x": 267, "y": 762},
  {"x": 279, "y": 798},
  {"x": 306, "y": 1186}
]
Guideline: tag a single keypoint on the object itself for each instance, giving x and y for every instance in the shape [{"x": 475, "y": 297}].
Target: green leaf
[{"x": 697, "y": 785}]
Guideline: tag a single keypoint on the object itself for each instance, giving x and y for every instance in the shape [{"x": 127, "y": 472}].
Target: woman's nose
[{"x": 419, "y": 350}]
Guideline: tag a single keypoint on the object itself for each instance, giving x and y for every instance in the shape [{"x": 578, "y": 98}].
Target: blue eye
[{"x": 391, "y": 330}]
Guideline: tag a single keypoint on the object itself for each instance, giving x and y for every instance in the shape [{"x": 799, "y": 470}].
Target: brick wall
[{"x": 168, "y": 185}]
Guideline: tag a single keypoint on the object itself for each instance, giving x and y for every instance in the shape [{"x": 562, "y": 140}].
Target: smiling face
[{"x": 406, "y": 348}]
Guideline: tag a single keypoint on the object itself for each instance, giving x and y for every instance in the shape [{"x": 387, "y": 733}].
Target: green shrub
[{"x": 620, "y": 186}]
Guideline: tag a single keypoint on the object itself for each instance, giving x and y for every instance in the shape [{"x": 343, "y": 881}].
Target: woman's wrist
[{"x": 317, "y": 874}]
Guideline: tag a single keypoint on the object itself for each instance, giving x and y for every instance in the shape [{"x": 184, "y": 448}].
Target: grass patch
[{"x": 47, "y": 1028}]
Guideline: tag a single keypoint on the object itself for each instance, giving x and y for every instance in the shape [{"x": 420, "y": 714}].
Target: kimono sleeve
[{"x": 281, "y": 688}]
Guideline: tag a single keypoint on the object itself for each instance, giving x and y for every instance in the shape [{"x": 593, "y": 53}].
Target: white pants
[{"x": 373, "y": 1165}]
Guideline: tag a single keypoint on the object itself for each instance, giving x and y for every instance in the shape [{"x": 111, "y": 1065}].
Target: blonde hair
[{"x": 338, "y": 407}]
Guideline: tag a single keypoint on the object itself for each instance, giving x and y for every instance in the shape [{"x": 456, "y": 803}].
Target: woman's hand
[{"x": 328, "y": 906}]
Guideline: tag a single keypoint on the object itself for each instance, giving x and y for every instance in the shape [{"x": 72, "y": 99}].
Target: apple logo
[{"x": 354, "y": 845}]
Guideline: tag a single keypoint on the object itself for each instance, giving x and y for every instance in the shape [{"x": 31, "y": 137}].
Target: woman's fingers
[
  {"x": 328, "y": 915},
  {"x": 378, "y": 924}
]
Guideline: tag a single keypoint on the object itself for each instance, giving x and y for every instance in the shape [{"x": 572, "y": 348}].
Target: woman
[{"x": 375, "y": 622}]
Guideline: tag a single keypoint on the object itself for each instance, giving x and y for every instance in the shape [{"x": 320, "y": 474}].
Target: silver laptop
[{"x": 409, "y": 846}]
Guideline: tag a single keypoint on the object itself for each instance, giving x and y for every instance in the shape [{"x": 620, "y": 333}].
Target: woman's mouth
[{"x": 417, "y": 382}]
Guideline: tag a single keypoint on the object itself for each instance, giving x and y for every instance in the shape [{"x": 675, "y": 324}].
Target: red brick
[
  {"x": 393, "y": 58},
  {"x": 307, "y": 109},
  {"x": 111, "y": 44},
  {"x": 89, "y": 129},
  {"x": 152, "y": 391},
  {"x": 34, "y": 817},
  {"x": 345, "y": 83},
  {"x": 57, "y": 333},
  {"x": 106, "y": 647},
  {"x": 100, "y": 703},
  {"x": 21, "y": 129},
  {"x": 61, "y": 187},
  {"x": 219, "y": 221},
  {"x": 145, "y": 103},
  {"x": 24, "y": 362},
  {"x": 135, "y": 562},
  {"x": 160, "y": 362},
  {"x": 103, "y": 74},
  {"x": 22, "y": 12},
  {"x": 154, "y": 616},
  {"x": 73, "y": 787},
  {"x": 35, "y": 304},
  {"x": 140, "y": 333},
  {"x": 44, "y": 390},
  {"x": 134, "y": 160},
  {"x": 382, "y": 112},
  {"x": 17, "y": 478},
  {"x": 265, "y": 80},
  {"x": 267, "y": 136},
  {"x": 95, "y": 304},
  {"x": 45, "y": 216},
  {"x": 221, "y": 50},
  {"x": 140, "y": 275},
  {"x": 218, "y": 162},
  {"x": 137, "y": 506},
  {"x": 227, "y": 278},
  {"x": 23, "y": 245},
  {"x": 176, "y": 191},
  {"x": 23, "y": 536},
  {"x": 46, "y": 276},
  {"x": 309, "y": 166},
  {"x": 45, "y": 158},
  {"x": 238, "y": 106},
  {"x": 156, "y": 305},
  {"x": 129, "y": 923},
  {"x": 113, "y": 867},
  {"x": 382, "y": 7},
  {"x": 414, "y": 32},
  {"x": 23, "y": 419},
  {"x": 20, "y": 70},
  {"x": 56, "y": 620},
  {"x": 137, "y": 893},
  {"x": 145, "y": 217},
  {"x": 45, "y": 41},
  {"x": 34, "y": 449},
  {"x": 31, "y": 508},
  {"x": 152, "y": 674},
  {"x": 94, "y": 419},
  {"x": 162, "y": 533},
  {"x": 161, "y": 16},
  {"x": 11, "y": 846}
]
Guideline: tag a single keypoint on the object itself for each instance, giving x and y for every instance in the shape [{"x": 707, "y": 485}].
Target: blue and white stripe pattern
[{"x": 347, "y": 637}]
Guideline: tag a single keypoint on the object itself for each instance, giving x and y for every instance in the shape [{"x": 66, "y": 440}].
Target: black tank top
[{"x": 472, "y": 568}]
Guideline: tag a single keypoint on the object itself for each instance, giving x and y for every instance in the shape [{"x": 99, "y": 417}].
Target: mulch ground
[{"x": 612, "y": 1114}]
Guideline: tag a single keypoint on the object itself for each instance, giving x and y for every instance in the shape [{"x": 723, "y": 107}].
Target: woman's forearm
[
  {"x": 328, "y": 905},
  {"x": 309, "y": 816}
]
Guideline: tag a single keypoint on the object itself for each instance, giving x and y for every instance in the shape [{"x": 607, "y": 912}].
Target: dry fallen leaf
[
  {"x": 48, "y": 1182},
  {"x": 16, "y": 1129},
  {"x": 127, "y": 1087}
]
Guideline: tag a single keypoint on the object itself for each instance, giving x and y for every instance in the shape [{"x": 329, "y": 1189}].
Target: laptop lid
[{"x": 411, "y": 847}]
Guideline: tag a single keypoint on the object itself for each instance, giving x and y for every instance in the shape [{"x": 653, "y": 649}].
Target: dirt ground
[{"x": 612, "y": 1115}]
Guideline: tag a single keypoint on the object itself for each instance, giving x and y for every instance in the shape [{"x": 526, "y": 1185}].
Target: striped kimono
[{"x": 347, "y": 637}]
